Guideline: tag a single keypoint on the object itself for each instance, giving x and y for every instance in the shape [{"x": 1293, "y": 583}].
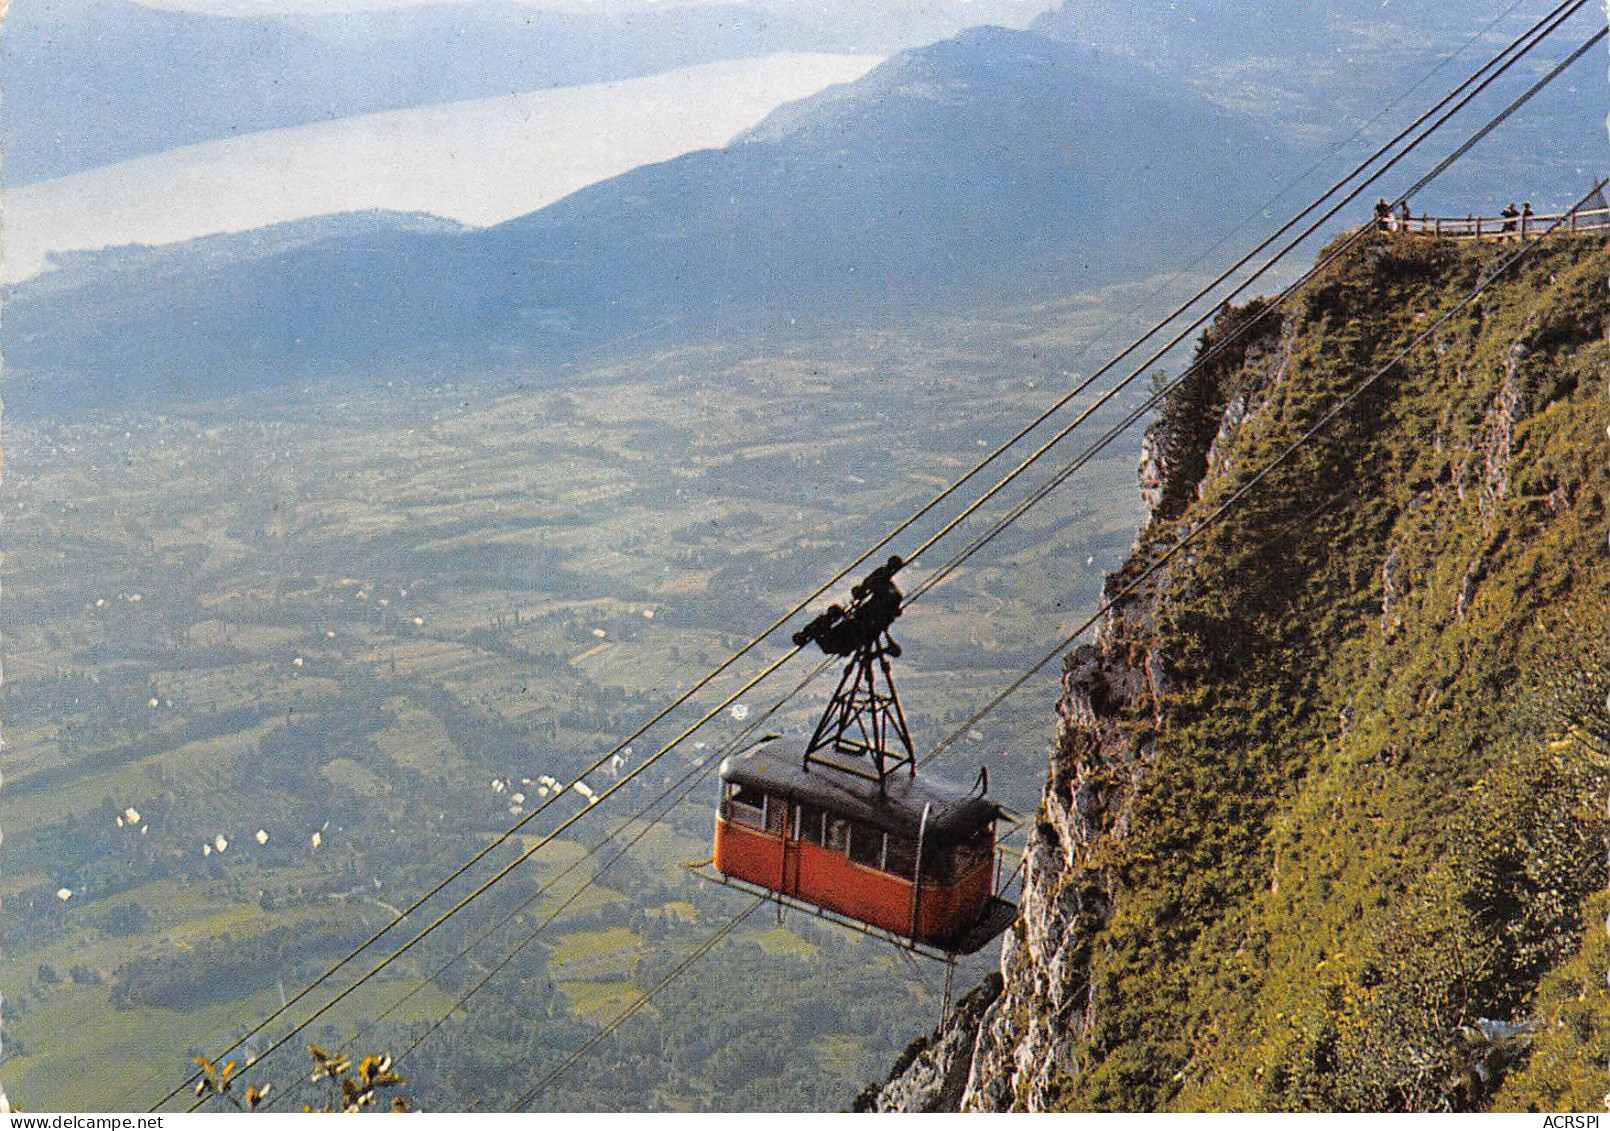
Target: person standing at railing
[
  {"x": 1383, "y": 214},
  {"x": 1510, "y": 215},
  {"x": 1526, "y": 219},
  {"x": 1404, "y": 216}
]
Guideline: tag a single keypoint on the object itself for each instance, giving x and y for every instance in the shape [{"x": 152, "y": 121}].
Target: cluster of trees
[{"x": 231, "y": 968}]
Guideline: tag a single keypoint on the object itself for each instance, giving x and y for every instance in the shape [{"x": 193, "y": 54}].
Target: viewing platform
[{"x": 1594, "y": 221}]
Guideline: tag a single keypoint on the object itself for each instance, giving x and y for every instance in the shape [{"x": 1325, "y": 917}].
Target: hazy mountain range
[
  {"x": 1316, "y": 70},
  {"x": 994, "y": 167},
  {"x": 481, "y": 162},
  {"x": 1212, "y": 30},
  {"x": 91, "y": 82}
]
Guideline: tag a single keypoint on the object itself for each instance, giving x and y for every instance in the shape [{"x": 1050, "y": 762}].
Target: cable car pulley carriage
[{"x": 841, "y": 826}]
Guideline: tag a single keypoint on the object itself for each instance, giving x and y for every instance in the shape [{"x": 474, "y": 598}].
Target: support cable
[
  {"x": 1263, "y": 472},
  {"x": 1219, "y": 348},
  {"x": 1552, "y": 21},
  {"x": 643, "y": 999}
]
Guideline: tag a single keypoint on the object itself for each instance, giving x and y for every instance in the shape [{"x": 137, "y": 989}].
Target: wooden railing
[{"x": 1595, "y": 221}]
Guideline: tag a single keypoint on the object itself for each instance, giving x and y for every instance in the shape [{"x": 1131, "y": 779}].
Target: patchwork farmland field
[{"x": 275, "y": 667}]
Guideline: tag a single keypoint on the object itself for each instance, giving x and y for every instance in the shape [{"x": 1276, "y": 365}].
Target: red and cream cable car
[
  {"x": 836, "y": 841},
  {"x": 841, "y": 824}
]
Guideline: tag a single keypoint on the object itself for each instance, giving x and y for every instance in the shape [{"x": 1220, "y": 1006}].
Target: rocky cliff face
[{"x": 1324, "y": 821}]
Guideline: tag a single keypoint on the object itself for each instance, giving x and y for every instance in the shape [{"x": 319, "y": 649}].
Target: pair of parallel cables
[
  {"x": 1127, "y": 591},
  {"x": 1462, "y": 95}
]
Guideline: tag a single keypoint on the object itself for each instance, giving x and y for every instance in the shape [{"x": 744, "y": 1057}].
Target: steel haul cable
[
  {"x": 643, "y": 999},
  {"x": 1284, "y": 455},
  {"x": 504, "y": 837},
  {"x": 1218, "y": 513},
  {"x": 1554, "y": 19},
  {"x": 1197, "y": 529},
  {"x": 1222, "y": 346}
]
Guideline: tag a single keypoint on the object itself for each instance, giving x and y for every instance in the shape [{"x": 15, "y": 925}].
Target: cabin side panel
[
  {"x": 829, "y": 879},
  {"x": 832, "y": 880},
  {"x": 948, "y": 910},
  {"x": 748, "y": 854}
]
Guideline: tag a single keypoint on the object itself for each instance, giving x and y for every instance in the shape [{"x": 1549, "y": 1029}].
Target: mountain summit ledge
[{"x": 1325, "y": 821}]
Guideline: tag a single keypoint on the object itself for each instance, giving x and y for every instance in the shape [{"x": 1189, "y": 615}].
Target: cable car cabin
[{"x": 836, "y": 840}]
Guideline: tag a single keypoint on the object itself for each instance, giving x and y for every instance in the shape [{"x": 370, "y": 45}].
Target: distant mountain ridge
[
  {"x": 994, "y": 167},
  {"x": 1209, "y": 30},
  {"x": 79, "y": 269},
  {"x": 1317, "y": 70},
  {"x": 91, "y": 82},
  {"x": 480, "y": 162}
]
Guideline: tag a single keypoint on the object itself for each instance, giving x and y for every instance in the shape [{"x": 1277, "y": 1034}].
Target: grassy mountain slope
[
  {"x": 1367, "y": 832},
  {"x": 1325, "y": 821}
]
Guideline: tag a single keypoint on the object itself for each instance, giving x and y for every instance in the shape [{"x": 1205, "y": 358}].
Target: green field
[{"x": 376, "y": 616}]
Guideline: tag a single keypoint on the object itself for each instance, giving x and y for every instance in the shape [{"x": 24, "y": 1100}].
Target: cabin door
[{"x": 791, "y": 852}]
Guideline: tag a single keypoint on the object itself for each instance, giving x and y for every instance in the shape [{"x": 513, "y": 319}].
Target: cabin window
[
  {"x": 838, "y": 834},
  {"x": 777, "y": 816},
  {"x": 962, "y": 859},
  {"x": 900, "y": 856},
  {"x": 812, "y": 823},
  {"x": 866, "y": 846},
  {"x": 746, "y": 805}
]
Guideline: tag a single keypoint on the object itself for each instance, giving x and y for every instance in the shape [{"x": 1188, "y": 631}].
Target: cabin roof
[{"x": 776, "y": 765}]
